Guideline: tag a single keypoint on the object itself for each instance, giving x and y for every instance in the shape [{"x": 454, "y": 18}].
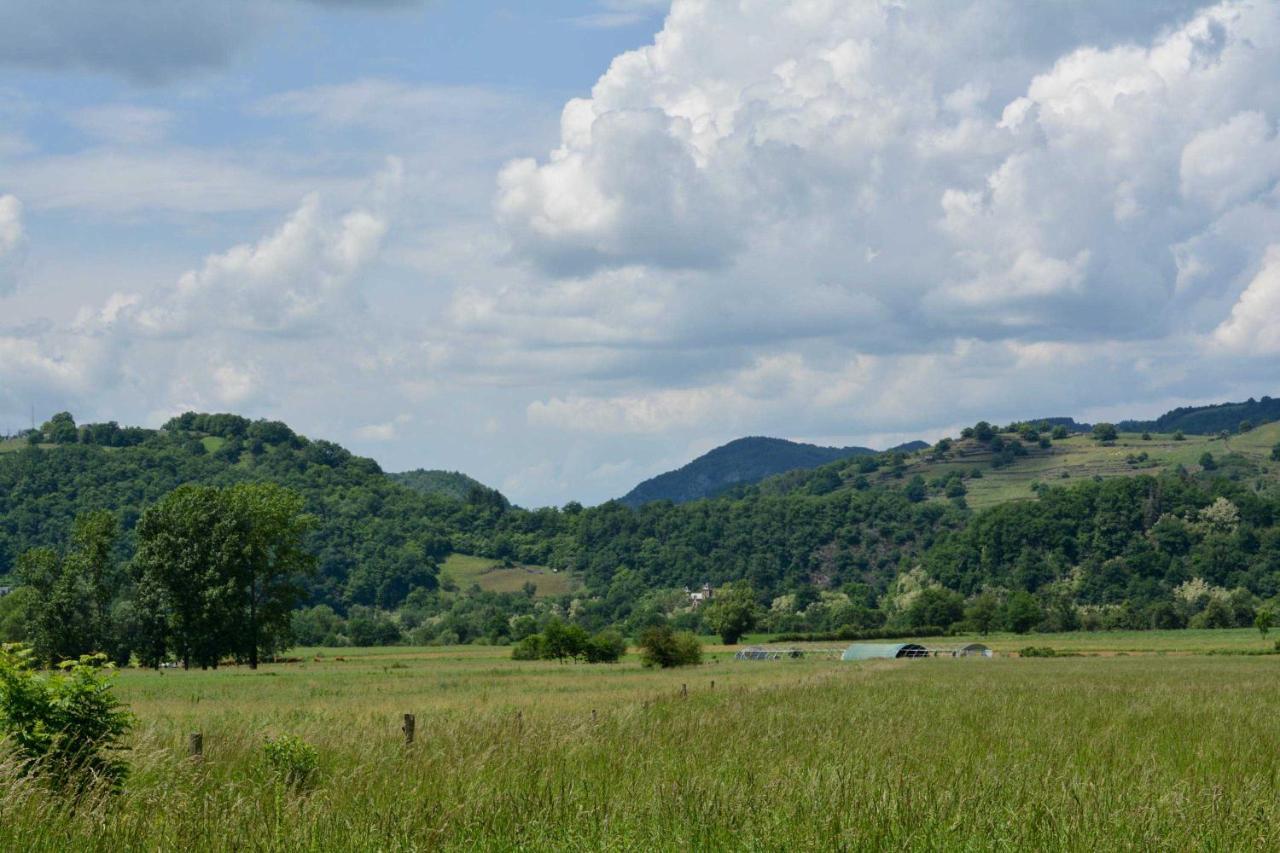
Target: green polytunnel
[{"x": 871, "y": 651}]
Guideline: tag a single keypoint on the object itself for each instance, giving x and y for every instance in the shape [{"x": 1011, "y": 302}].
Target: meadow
[
  {"x": 493, "y": 576},
  {"x": 1162, "y": 747}
]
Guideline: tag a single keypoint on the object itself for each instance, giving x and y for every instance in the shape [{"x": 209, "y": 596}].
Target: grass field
[
  {"x": 1141, "y": 752},
  {"x": 491, "y": 576},
  {"x": 1080, "y": 457}
]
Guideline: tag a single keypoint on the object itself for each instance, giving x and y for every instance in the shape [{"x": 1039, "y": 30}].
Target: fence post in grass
[
  {"x": 684, "y": 691},
  {"x": 195, "y": 746},
  {"x": 408, "y": 729},
  {"x": 519, "y": 722},
  {"x": 713, "y": 684},
  {"x": 593, "y": 715}
]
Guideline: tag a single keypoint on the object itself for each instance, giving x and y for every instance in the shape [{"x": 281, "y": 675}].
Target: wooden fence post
[
  {"x": 593, "y": 715},
  {"x": 713, "y": 684},
  {"x": 195, "y": 746},
  {"x": 684, "y": 691},
  {"x": 408, "y": 729}
]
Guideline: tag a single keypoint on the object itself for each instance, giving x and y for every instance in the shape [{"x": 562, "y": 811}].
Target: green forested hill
[
  {"x": 1037, "y": 527},
  {"x": 376, "y": 540}
]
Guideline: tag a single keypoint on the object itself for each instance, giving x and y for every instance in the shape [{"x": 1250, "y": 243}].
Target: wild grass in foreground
[{"x": 1059, "y": 754}]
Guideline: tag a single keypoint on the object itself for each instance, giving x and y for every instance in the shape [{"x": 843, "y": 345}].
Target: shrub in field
[
  {"x": 67, "y": 725},
  {"x": 564, "y": 642},
  {"x": 530, "y": 648},
  {"x": 661, "y": 646},
  {"x": 605, "y": 647},
  {"x": 1037, "y": 652},
  {"x": 294, "y": 762}
]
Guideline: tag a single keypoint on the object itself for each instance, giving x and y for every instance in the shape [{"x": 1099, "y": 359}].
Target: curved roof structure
[{"x": 871, "y": 651}]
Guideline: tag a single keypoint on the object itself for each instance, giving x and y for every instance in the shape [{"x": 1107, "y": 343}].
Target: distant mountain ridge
[
  {"x": 1207, "y": 420},
  {"x": 742, "y": 461}
]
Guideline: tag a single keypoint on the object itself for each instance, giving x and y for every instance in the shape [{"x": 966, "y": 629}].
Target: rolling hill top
[{"x": 450, "y": 484}]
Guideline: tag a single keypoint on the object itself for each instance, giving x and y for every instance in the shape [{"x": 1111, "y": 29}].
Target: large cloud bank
[{"x": 885, "y": 195}]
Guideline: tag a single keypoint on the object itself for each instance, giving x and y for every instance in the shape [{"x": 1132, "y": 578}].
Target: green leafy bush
[
  {"x": 530, "y": 648},
  {"x": 563, "y": 642},
  {"x": 605, "y": 647},
  {"x": 1037, "y": 652},
  {"x": 294, "y": 762},
  {"x": 661, "y": 646},
  {"x": 66, "y": 725}
]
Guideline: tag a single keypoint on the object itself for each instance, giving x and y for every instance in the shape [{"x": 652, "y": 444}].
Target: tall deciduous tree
[
  {"x": 733, "y": 612},
  {"x": 225, "y": 563},
  {"x": 272, "y": 526}
]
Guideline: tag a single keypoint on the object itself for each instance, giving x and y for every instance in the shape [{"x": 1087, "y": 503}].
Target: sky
[{"x": 564, "y": 246}]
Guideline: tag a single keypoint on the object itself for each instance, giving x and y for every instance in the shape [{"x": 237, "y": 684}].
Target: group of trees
[
  {"x": 219, "y": 571},
  {"x": 565, "y": 642},
  {"x": 216, "y": 574}
]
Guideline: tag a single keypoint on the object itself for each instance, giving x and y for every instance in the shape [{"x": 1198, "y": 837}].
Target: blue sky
[{"x": 564, "y": 246}]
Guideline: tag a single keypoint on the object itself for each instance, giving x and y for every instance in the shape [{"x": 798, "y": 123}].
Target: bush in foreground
[
  {"x": 292, "y": 760},
  {"x": 66, "y": 725},
  {"x": 661, "y": 646}
]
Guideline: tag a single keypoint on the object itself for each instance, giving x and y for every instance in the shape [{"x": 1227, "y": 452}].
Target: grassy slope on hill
[
  {"x": 493, "y": 576},
  {"x": 1078, "y": 457}
]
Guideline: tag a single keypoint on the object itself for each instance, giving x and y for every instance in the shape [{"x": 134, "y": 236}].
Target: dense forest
[{"x": 857, "y": 546}]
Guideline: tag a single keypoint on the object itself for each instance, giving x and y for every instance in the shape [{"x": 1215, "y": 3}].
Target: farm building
[
  {"x": 870, "y": 651},
  {"x": 973, "y": 650}
]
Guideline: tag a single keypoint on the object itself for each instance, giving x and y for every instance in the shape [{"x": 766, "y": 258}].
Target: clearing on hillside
[{"x": 493, "y": 576}]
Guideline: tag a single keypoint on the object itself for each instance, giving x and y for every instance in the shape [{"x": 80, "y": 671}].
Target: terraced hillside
[
  {"x": 1244, "y": 456},
  {"x": 988, "y": 477}
]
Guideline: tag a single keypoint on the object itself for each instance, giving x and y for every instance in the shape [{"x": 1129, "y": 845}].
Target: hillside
[
  {"x": 377, "y": 539},
  {"x": 740, "y": 462},
  {"x": 499, "y": 576},
  {"x": 988, "y": 477},
  {"x": 449, "y": 484}
]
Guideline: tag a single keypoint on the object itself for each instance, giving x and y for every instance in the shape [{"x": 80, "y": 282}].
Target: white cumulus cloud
[{"x": 296, "y": 280}]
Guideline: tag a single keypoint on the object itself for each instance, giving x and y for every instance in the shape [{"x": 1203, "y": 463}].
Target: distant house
[
  {"x": 700, "y": 597},
  {"x": 5, "y": 590}
]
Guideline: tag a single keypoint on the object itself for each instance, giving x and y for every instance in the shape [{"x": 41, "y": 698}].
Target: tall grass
[{"x": 1076, "y": 754}]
